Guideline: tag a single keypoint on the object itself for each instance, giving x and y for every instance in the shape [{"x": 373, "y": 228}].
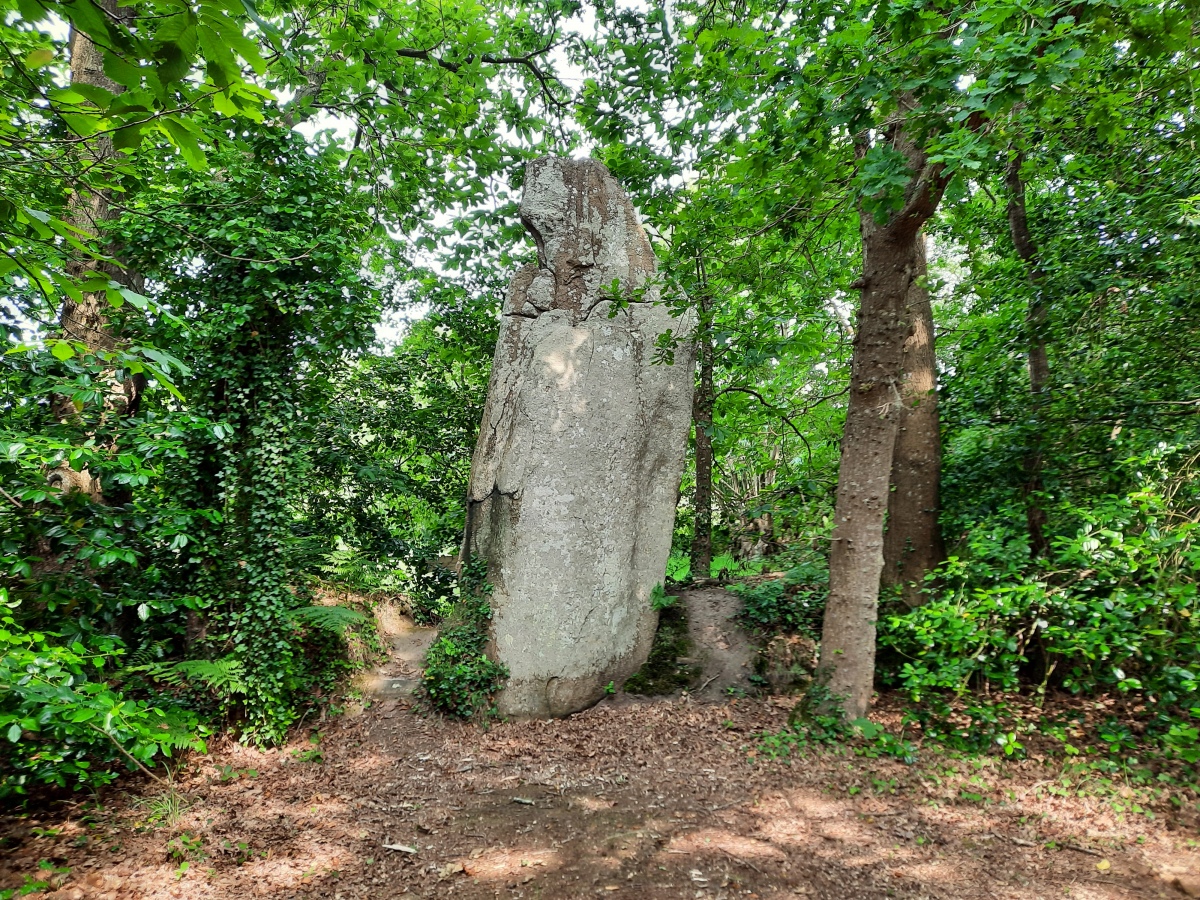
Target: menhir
[{"x": 575, "y": 476}]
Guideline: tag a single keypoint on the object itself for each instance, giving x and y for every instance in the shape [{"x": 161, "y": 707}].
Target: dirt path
[
  {"x": 722, "y": 648},
  {"x": 662, "y": 799},
  {"x": 407, "y": 642}
]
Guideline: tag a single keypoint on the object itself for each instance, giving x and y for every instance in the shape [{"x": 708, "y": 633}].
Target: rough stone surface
[{"x": 576, "y": 471}]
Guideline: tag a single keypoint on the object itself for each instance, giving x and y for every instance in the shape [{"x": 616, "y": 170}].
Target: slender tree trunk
[
  {"x": 912, "y": 544},
  {"x": 1039, "y": 360},
  {"x": 702, "y": 414},
  {"x": 890, "y": 264},
  {"x": 87, "y": 321}
]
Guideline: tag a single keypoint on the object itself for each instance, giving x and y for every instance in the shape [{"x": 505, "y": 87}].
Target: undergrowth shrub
[
  {"x": 62, "y": 725},
  {"x": 1113, "y": 608},
  {"x": 793, "y": 603},
  {"x": 411, "y": 570},
  {"x": 432, "y": 593},
  {"x": 459, "y": 679},
  {"x": 818, "y": 720}
]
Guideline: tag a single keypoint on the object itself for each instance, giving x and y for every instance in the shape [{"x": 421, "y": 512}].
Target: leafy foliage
[
  {"x": 459, "y": 679},
  {"x": 793, "y": 603},
  {"x": 61, "y": 724},
  {"x": 269, "y": 183},
  {"x": 330, "y": 618},
  {"x": 224, "y": 676}
]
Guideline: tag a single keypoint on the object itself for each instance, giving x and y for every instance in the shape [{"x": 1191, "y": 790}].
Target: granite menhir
[{"x": 576, "y": 472}]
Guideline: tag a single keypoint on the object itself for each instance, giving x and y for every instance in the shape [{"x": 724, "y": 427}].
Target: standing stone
[{"x": 576, "y": 471}]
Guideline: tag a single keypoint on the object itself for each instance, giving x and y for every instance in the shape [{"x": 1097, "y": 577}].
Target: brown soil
[
  {"x": 724, "y": 651},
  {"x": 657, "y": 799}
]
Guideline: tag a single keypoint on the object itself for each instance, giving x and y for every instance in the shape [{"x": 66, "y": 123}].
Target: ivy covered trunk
[
  {"x": 892, "y": 261},
  {"x": 274, "y": 302},
  {"x": 912, "y": 544}
]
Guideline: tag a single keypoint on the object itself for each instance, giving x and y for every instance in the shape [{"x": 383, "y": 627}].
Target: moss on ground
[{"x": 668, "y": 668}]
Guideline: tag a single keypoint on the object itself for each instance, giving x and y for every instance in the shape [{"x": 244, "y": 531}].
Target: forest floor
[
  {"x": 664, "y": 798},
  {"x": 649, "y": 799}
]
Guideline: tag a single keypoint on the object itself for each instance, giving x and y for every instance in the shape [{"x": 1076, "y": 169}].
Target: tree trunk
[
  {"x": 1039, "y": 360},
  {"x": 890, "y": 264},
  {"x": 912, "y": 545},
  {"x": 702, "y": 415},
  {"x": 87, "y": 322}
]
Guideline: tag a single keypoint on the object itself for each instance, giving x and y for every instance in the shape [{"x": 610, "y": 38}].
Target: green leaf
[
  {"x": 232, "y": 32},
  {"x": 31, "y": 11},
  {"x": 89, "y": 18},
  {"x": 138, "y": 301},
  {"x": 61, "y": 349},
  {"x": 186, "y": 143},
  {"x": 35, "y": 59},
  {"x": 129, "y": 137},
  {"x": 175, "y": 63},
  {"x": 121, "y": 71},
  {"x": 94, "y": 94},
  {"x": 219, "y": 62}
]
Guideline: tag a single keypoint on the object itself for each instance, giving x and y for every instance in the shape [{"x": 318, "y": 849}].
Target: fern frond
[
  {"x": 328, "y": 618},
  {"x": 148, "y": 654},
  {"x": 222, "y": 675},
  {"x": 225, "y": 676}
]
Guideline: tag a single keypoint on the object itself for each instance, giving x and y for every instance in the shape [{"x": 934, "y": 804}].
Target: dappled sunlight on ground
[
  {"x": 653, "y": 801},
  {"x": 503, "y": 865},
  {"x": 721, "y": 840}
]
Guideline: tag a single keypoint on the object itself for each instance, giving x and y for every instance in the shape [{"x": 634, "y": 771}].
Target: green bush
[
  {"x": 794, "y": 603},
  {"x": 62, "y": 725},
  {"x": 432, "y": 594},
  {"x": 1113, "y": 608},
  {"x": 459, "y": 678},
  {"x": 679, "y": 568}
]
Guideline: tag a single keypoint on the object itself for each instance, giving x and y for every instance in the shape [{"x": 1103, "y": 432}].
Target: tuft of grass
[{"x": 164, "y": 809}]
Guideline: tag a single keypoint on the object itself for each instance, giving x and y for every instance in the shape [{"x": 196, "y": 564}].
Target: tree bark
[
  {"x": 702, "y": 416},
  {"x": 1039, "y": 360},
  {"x": 912, "y": 544},
  {"x": 890, "y": 265},
  {"x": 87, "y": 322}
]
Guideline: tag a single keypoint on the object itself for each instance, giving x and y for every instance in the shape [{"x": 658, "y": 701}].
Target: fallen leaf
[
  {"x": 476, "y": 853},
  {"x": 453, "y": 869},
  {"x": 401, "y": 848},
  {"x": 1104, "y": 865}
]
